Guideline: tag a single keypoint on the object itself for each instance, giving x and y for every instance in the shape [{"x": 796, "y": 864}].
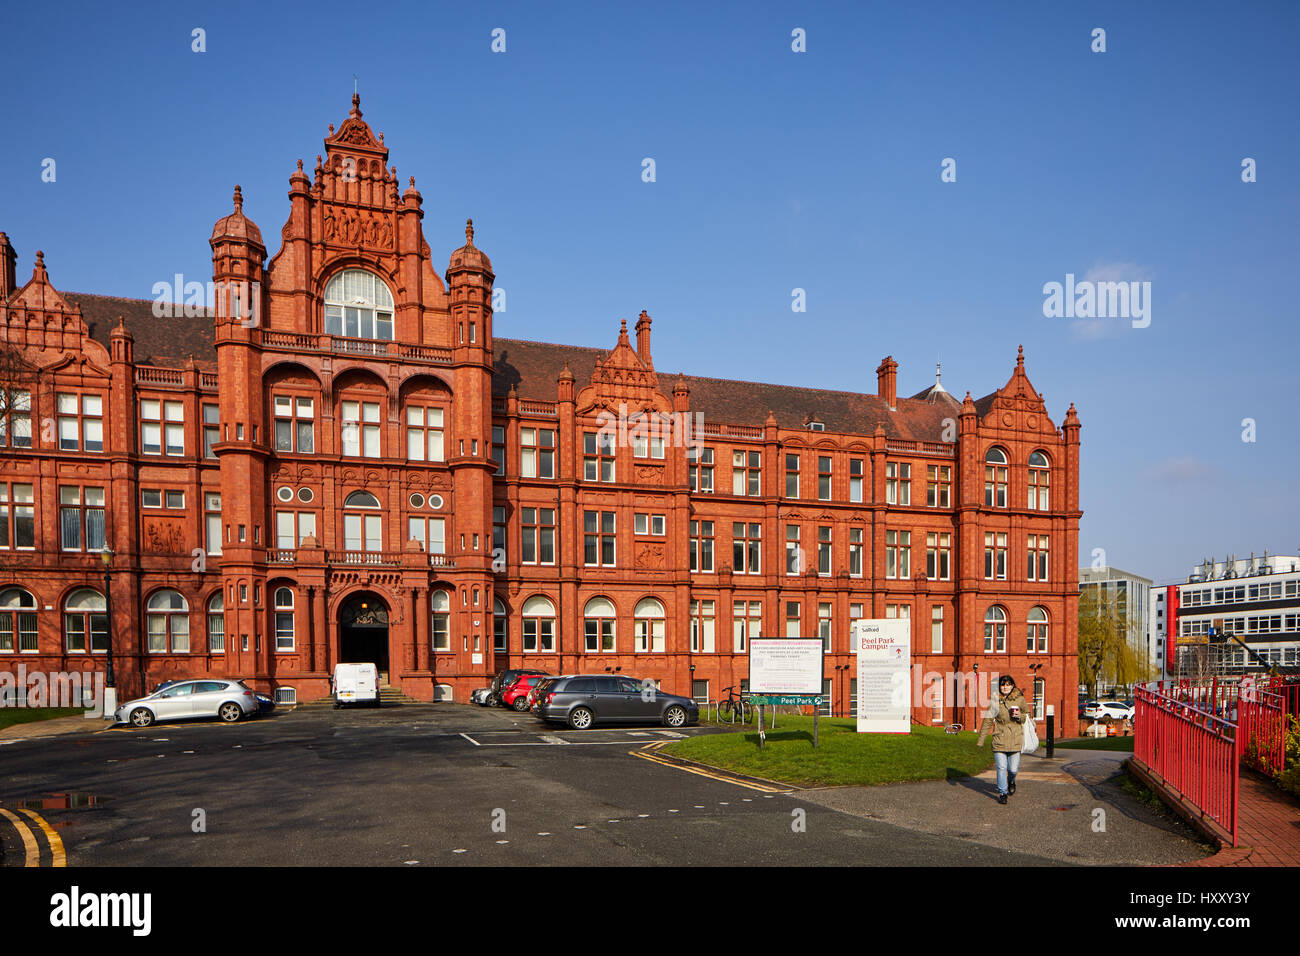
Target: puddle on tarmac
[{"x": 72, "y": 800}]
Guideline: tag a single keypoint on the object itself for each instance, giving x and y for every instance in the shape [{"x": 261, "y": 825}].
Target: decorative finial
[
  {"x": 1020, "y": 357},
  {"x": 469, "y": 232},
  {"x": 239, "y": 199},
  {"x": 937, "y": 368},
  {"x": 412, "y": 181},
  {"x": 622, "y": 322},
  {"x": 40, "y": 258},
  {"x": 300, "y": 165}
]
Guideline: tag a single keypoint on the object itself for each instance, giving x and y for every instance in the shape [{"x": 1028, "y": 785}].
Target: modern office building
[
  {"x": 339, "y": 460},
  {"x": 1129, "y": 593},
  {"x": 1255, "y": 600}
]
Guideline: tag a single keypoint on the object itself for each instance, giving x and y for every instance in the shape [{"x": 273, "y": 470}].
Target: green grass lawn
[
  {"x": 25, "y": 715},
  {"x": 843, "y": 758}
]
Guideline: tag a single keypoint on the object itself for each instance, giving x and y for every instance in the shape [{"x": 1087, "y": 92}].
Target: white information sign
[
  {"x": 884, "y": 670},
  {"x": 786, "y": 665}
]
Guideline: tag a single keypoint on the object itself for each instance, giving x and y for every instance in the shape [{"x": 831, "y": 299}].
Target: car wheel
[
  {"x": 521, "y": 704},
  {"x": 141, "y": 717},
  {"x": 580, "y": 719},
  {"x": 230, "y": 712},
  {"x": 675, "y": 716}
]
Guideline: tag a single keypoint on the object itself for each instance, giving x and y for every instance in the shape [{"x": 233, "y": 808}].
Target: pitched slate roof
[
  {"x": 167, "y": 341},
  {"x": 532, "y": 368}
]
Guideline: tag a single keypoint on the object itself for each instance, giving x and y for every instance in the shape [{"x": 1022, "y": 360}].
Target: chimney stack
[
  {"x": 887, "y": 381},
  {"x": 643, "y": 338},
  {"x": 8, "y": 268}
]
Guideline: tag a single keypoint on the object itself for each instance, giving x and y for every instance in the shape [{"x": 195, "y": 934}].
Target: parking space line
[
  {"x": 472, "y": 740},
  {"x": 647, "y": 753},
  {"x": 32, "y": 852},
  {"x": 58, "y": 857}
]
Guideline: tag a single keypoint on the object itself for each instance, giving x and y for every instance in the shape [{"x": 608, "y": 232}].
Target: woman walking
[{"x": 1006, "y": 718}]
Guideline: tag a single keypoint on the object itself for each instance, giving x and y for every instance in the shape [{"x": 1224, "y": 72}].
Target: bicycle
[{"x": 734, "y": 706}]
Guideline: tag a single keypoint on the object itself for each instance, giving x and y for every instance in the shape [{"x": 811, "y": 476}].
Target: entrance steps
[{"x": 388, "y": 697}]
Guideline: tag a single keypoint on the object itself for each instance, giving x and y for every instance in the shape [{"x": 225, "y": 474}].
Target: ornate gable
[
  {"x": 39, "y": 295},
  {"x": 622, "y": 377},
  {"x": 1018, "y": 405}
]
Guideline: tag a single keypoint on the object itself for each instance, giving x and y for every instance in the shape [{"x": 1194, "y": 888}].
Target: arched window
[
  {"x": 284, "y": 619},
  {"x": 649, "y": 625},
  {"x": 359, "y": 305},
  {"x": 1039, "y": 475},
  {"x": 85, "y": 612},
  {"x": 995, "y": 478},
  {"x": 440, "y": 607},
  {"x": 995, "y": 630},
  {"x": 362, "y": 532},
  {"x": 217, "y": 624},
  {"x": 168, "y": 623},
  {"x": 17, "y": 622},
  {"x": 1037, "y": 634},
  {"x": 500, "y": 628},
  {"x": 539, "y": 626},
  {"x": 598, "y": 620}
]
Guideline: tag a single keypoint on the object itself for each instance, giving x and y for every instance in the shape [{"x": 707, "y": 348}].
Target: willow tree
[{"x": 1106, "y": 648}]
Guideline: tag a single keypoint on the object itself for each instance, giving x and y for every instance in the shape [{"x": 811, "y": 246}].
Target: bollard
[{"x": 1051, "y": 730}]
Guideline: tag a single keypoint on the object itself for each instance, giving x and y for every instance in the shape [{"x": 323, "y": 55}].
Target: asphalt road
[{"x": 432, "y": 785}]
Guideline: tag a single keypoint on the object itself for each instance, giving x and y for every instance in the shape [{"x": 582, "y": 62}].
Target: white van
[{"x": 355, "y": 684}]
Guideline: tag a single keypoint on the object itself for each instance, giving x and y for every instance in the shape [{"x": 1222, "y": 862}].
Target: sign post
[
  {"x": 884, "y": 648},
  {"x": 786, "y": 670}
]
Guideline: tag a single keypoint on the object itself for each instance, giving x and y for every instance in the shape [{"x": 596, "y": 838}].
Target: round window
[
  {"x": 305, "y": 495},
  {"x": 417, "y": 501},
  {"x": 435, "y": 501},
  {"x": 285, "y": 494}
]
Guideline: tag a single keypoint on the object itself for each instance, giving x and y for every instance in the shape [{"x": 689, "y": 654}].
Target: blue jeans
[{"x": 1006, "y": 763}]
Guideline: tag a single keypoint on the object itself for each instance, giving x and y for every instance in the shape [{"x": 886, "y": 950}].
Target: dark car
[
  {"x": 586, "y": 699},
  {"x": 504, "y": 679}
]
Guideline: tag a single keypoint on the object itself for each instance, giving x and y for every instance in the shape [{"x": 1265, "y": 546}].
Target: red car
[{"x": 516, "y": 695}]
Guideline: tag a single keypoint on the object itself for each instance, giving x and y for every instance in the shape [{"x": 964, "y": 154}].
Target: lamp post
[{"x": 110, "y": 683}]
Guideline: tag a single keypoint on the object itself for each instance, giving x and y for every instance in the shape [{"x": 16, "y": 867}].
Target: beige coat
[{"x": 1008, "y": 734}]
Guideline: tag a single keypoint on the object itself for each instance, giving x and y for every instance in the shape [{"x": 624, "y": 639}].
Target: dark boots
[{"x": 1011, "y": 785}]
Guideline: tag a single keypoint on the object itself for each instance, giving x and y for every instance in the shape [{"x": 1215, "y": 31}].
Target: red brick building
[{"x": 340, "y": 461}]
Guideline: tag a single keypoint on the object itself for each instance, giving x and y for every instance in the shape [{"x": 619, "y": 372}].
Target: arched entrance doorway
[{"x": 363, "y": 632}]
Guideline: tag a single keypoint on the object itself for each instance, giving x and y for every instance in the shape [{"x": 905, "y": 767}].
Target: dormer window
[
  {"x": 815, "y": 426},
  {"x": 359, "y": 305}
]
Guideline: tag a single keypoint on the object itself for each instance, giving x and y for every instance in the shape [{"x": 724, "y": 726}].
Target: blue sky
[{"x": 775, "y": 170}]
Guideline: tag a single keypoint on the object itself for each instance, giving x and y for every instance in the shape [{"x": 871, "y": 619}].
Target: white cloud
[{"x": 1185, "y": 470}]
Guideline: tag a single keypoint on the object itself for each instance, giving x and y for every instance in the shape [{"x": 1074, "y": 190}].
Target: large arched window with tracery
[{"x": 359, "y": 305}]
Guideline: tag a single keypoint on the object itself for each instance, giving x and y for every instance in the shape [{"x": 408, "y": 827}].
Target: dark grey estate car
[{"x": 585, "y": 699}]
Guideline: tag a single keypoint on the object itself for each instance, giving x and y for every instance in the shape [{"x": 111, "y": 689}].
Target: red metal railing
[
  {"x": 1195, "y": 736},
  {"x": 1191, "y": 751}
]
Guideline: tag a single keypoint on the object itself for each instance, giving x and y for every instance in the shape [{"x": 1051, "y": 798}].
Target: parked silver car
[
  {"x": 586, "y": 699},
  {"x": 230, "y": 700}
]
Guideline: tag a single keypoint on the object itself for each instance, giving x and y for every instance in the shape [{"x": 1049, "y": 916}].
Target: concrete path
[
  {"x": 1066, "y": 809},
  {"x": 58, "y": 727}
]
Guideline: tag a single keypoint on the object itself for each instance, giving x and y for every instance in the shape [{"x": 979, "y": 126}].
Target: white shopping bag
[{"x": 1031, "y": 737}]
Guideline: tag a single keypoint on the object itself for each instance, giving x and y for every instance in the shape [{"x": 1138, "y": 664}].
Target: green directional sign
[{"x": 784, "y": 699}]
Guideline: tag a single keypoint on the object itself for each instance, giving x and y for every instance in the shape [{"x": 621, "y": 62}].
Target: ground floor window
[
  {"x": 440, "y": 606},
  {"x": 17, "y": 622},
  {"x": 649, "y": 626},
  {"x": 539, "y": 626},
  {"x": 85, "y": 618}
]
